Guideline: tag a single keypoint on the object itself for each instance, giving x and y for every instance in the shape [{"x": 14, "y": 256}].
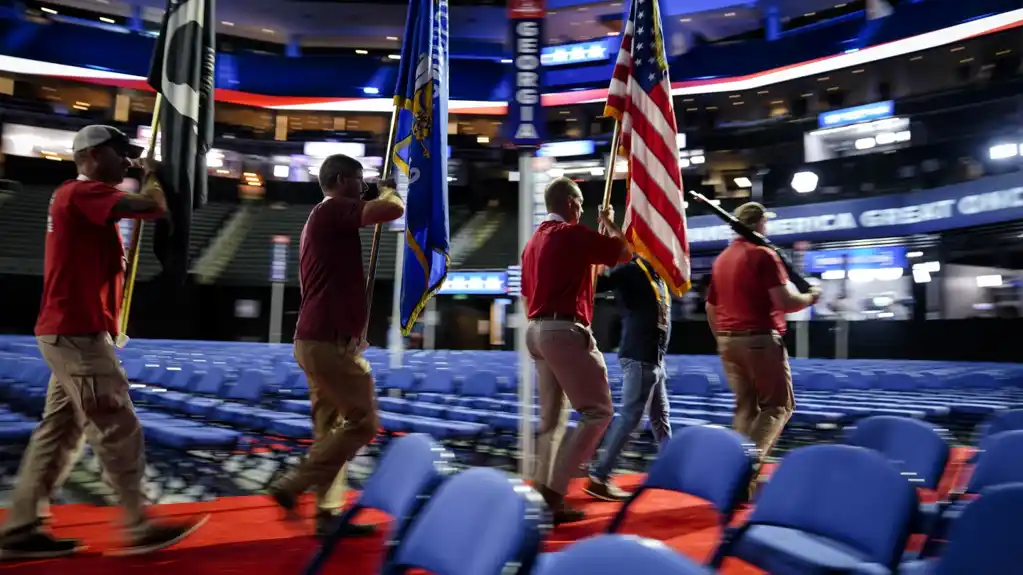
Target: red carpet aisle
[{"x": 245, "y": 536}]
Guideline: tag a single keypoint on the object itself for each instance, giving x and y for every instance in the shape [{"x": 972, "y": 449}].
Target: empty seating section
[
  {"x": 216, "y": 411},
  {"x": 251, "y": 263},
  {"x": 499, "y": 252},
  {"x": 206, "y": 222},
  {"x": 469, "y": 399},
  {"x": 23, "y": 219}
]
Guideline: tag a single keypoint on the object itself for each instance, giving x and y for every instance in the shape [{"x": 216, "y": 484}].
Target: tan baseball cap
[{"x": 750, "y": 213}]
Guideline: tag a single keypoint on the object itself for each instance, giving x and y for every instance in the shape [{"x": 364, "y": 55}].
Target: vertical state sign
[{"x": 525, "y": 114}]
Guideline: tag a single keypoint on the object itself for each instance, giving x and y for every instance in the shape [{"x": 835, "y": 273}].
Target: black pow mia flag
[{"x": 182, "y": 71}]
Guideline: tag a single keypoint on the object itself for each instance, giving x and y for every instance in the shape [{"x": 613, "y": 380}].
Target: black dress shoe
[
  {"x": 287, "y": 503},
  {"x": 560, "y": 512},
  {"x": 325, "y": 523},
  {"x": 36, "y": 545}
]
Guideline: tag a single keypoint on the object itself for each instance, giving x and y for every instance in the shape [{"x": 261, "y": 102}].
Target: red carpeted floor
[{"x": 244, "y": 535}]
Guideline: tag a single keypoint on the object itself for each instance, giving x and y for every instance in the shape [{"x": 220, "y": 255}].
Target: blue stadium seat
[
  {"x": 712, "y": 463},
  {"x": 1001, "y": 463},
  {"x": 1010, "y": 420},
  {"x": 916, "y": 448},
  {"x": 984, "y": 540},
  {"x": 410, "y": 470},
  {"x": 827, "y": 509},
  {"x": 616, "y": 555},
  {"x": 480, "y": 522}
]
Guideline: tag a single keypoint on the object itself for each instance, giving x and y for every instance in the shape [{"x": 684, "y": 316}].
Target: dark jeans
[{"x": 644, "y": 386}]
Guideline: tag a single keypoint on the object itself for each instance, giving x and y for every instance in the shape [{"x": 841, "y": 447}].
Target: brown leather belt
[
  {"x": 558, "y": 317},
  {"x": 747, "y": 333}
]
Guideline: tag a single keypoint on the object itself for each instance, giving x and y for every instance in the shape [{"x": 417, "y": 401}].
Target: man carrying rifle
[
  {"x": 87, "y": 399},
  {"x": 329, "y": 335},
  {"x": 747, "y": 301}
]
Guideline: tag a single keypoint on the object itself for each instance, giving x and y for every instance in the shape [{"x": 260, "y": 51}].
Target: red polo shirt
[
  {"x": 557, "y": 269},
  {"x": 331, "y": 277},
  {"x": 740, "y": 285},
  {"x": 83, "y": 270}
]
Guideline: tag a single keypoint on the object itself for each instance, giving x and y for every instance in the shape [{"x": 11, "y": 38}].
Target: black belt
[
  {"x": 558, "y": 317},
  {"x": 748, "y": 333}
]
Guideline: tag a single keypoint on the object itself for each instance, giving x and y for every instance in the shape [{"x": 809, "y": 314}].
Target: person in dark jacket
[{"x": 644, "y": 303}]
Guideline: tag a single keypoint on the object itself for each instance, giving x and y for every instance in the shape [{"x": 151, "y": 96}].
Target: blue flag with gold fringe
[{"x": 421, "y": 154}]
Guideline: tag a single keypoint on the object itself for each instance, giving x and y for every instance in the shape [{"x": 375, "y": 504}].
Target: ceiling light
[
  {"x": 989, "y": 281},
  {"x": 394, "y": 56},
  {"x": 865, "y": 143},
  {"x": 268, "y": 31},
  {"x": 482, "y": 140},
  {"x": 392, "y": 38},
  {"x": 1003, "y": 151},
  {"x": 107, "y": 20},
  {"x": 48, "y": 10},
  {"x": 804, "y": 182},
  {"x": 506, "y": 60},
  {"x": 226, "y": 23},
  {"x": 743, "y": 182},
  {"x": 363, "y": 52},
  {"x": 370, "y": 90}
]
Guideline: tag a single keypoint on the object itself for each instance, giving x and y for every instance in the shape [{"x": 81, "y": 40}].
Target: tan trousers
[
  {"x": 344, "y": 417},
  {"x": 757, "y": 368},
  {"x": 87, "y": 399},
  {"x": 568, "y": 363}
]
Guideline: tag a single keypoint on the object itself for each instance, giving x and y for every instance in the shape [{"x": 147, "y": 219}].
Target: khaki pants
[
  {"x": 568, "y": 363},
  {"x": 87, "y": 399},
  {"x": 344, "y": 417},
  {"x": 757, "y": 368}
]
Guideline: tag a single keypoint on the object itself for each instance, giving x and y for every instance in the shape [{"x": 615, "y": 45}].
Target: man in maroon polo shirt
[
  {"x": 747, "y": 301},
  {"x": 87, "y": 398},
  {"x": 558, "y": 284},
  {"x": 329, "y": 335}
]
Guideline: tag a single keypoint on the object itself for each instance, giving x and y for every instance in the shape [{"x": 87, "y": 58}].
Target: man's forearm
[
  {"x": 712, "y": 319},
  {"x": 798, "y": 301}
]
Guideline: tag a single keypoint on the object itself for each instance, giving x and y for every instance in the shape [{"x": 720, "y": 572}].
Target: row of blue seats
[
  {"x": 810, "y": 373},
  {"x": 203, "y": 380},
  {"x": 439, "y": 402},
  {"x": 827, "y": 509}
]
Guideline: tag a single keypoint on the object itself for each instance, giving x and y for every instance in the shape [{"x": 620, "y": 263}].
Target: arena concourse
[{"x": 885, "y": 138}]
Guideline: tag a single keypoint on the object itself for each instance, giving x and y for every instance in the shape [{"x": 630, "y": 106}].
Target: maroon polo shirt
[
  {"x": 557, "y": 269},
  {"x": 83, "y": 271},
  {"x": 740, "y": 285},
  {"x": 331, "y": 277}
]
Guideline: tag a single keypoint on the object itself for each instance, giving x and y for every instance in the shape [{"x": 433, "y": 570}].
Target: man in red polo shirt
[
  {"x": 83, "y": 278},
  {"x": 748, "y": 298},
  {"x": 557, "y": 282},
  {"x": 329, "y": 335}
]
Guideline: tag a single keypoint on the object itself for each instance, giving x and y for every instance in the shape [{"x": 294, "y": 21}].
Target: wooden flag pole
[
  {"x": 374, "y": 250},
  {"x": 612, "y": 164},
  {"x": 136, "y": 234}
]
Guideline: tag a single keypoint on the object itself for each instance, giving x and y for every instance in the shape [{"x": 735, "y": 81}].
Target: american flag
[{"x": 640, "y": 99}]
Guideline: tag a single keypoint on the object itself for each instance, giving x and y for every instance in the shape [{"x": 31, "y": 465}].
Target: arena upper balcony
[{"x": 342, "y": 56}]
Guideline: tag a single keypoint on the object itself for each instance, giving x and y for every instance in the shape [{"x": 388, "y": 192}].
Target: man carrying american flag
[
  {"x": 655, "y": 226},
  {"x": 640, "y": 99}
]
